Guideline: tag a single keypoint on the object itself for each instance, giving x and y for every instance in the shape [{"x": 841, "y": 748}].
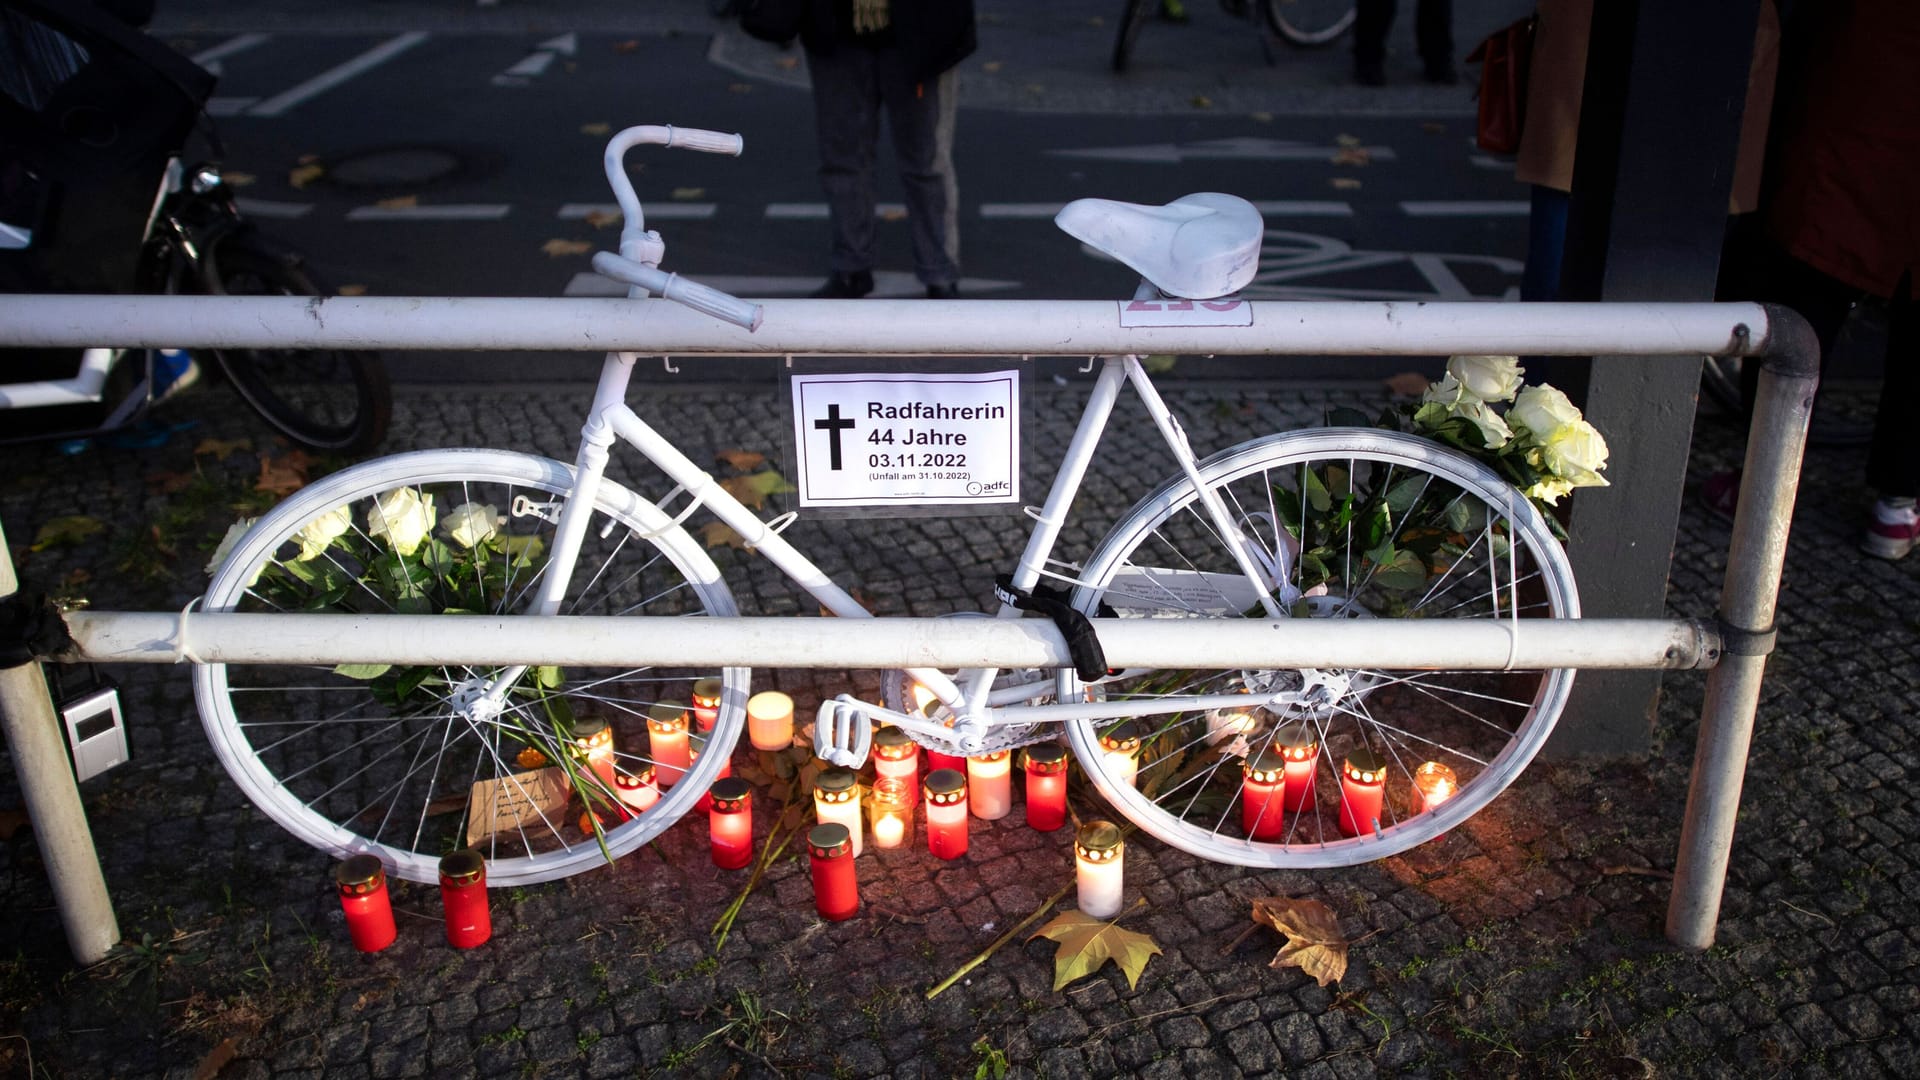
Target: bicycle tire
[
  {"x": 337, "y": 401},
  {"x": 1309, "y": 23},
  {"x": 319, "y": 750},
  {"x": 1133, "y": 16},
  {"x": 1484, "y": 725}
]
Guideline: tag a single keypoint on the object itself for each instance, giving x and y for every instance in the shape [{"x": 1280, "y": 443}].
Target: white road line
[
  {"x": 1480, "y": 208},
  {"x": 691, "y": 211},
  {"x": 327, "y": 80},
  {"x": 1279, "y": 208},
  {"x": 532, "y": 64},
  {"x": 799, "y": 211},
  {"x": 228, "y": 48},
  {"x": 444, "y": 212},
  {"x": 1488, "y": 161},
  {"x": 267, "y": 208}
]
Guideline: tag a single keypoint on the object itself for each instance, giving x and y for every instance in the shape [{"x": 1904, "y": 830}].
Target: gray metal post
[
  {"x": 53, "y": 799},
  {"x": 1775, "y": 442}
]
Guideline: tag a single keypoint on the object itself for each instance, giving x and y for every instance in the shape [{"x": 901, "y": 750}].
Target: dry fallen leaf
[
  {"x": 399, "y": 202},
  {"x": 1345, "y": 183},
  {"x": 1086, "y": 943},
  {"x": 283, "y": 475},
  {"x": 991, "y": 66},
  {"x": 684, "y": 193},
  {"x": 215, "y": 1060},
  {"x": 63, "y": 531},
  {"x": 743, "y": 460},
  {"x": 718, "y": 533},
  {"x": 222, "y": 449},
  {"x": 238, "y": 179},
  {"x": 1434, "y": 127},
  {"x": 351, "y": 290},
  {"x": 752, "y": 490},
  {"x": 302, "y": 175},
  {"x": 892, "y": 213},
  {"x": 1314, "y": 942},
  {"x": 595, "y": 129},
  {"x": 558, "y": 248},
  {"x": 626, "y": 46},
  {"x": 1407, "y": 383},
  {"x": 1346, "y": 140},
  {"x": 600, "y": 219},
  {"x": 1352, "y": 155},
  {"x": 1201, "y": 101}
]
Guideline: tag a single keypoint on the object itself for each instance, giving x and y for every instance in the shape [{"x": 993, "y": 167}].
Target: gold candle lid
[
  {"x": 829, "y": 840},
  {"x": 1046, "y": 758},
  {"x": 890, "y": 736},
  {"x": 729, "y": 794},
  {"x": 946, "y": 786},
  {"x": 1266, "y": 767},
  {"x": 706, "y": 689},
  {"x": 834, "y": 784},
  {"x": 997, "y": 755},
  {"x": 1366, "y": 766},
  {"x": 1124, "y": 737},
  {"x": 361, "y": 873},
  {"x": 667, "y": 715},
  {"x": 633, "y": 781},
  {"x": 1297, "y": 741},
  {"x": 1098, "y": 841},
  {"x": 463, "y": 867}
]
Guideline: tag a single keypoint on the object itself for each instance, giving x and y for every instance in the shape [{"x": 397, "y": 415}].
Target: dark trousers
[
  {"x": 1432, "y": 29},
  {"x": 852, "y": 86}
]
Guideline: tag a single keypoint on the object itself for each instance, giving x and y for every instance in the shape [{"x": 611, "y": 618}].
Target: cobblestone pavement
[{"x": 1528, "y": 941}]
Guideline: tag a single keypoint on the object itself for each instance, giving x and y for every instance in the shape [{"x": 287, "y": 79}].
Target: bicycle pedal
[{"x": 843, "y": 732}]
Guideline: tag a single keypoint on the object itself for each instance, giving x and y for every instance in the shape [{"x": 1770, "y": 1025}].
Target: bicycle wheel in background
[
  {"x": 1133, "y": 15},
  {"x": 1371, "y": 525},
  {"x": 330, "y": 400},
  {"x": 384, "y": 759},
  {"x": 1308, "y": 23}
]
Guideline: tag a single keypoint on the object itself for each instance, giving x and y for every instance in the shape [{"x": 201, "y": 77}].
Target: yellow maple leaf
[
  {"x": 1345, "y": 183},
  {"x": 399, "y": 202},
  {"x": 600, "y": 219},
  {"x": 1086, "y": 943},
  {"x": 351, "y": 290},
  {"x": 557, "y": 248},
  {"x": 748, "y": 460},
  {"x": 1314, "y": 942},
  {"x": 302, "y": 175},
  {"x": 600, "y": 128}
]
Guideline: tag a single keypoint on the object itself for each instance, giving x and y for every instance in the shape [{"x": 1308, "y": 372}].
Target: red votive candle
[
  {"x": 697, "y": 745},
  {"x": 896, "y": 757},
  {"x": 463, "y": 896},
  {"x": 593, "y": 744},
  {"x": 1263, "y": 789},
  {"x": 1302, "y": 753},
  {"x": 706, "y": 703},
  {"x": 667, "y": 738},
  {"x": 836, "y": 892},
  {"x": 730, "y": 823},
  {"x": 363, "y": 896},
  {"x": 636, "y": 789},
  {"x": 1046, "y": 786},
  {"x": 1363, "y": 785},
  {"x": 947, "y": 813}
]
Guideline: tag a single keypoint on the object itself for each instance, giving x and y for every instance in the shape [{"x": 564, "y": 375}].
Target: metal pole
[
  {"x": 785, "y": 642},
  {"x": 882, "y": 328},
  {"x": 53, "y": 799},
  {"x": 1775, "y": 443}
]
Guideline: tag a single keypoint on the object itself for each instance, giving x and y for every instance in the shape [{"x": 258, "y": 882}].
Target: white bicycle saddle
[{"x": 1196, "y": 247}]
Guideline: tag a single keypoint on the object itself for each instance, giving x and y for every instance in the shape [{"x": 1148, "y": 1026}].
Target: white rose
[
  {"x": 1494, "y": 432},
  {"x": 1541, "y": 410},
  {"x": 1550, "y": 489},
  {"x": 322, "y": 532},
  {"x": 1489, "y": 378},
  {"x": 1449, "y": 391},
  {"x": 1576, "y": 452},
  {"x": 234, "y": 532},
  {"x": 404, "y": 517},
  {"x": 470, "y": 523}
]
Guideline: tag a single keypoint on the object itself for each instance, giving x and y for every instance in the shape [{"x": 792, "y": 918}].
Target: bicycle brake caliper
[{"x": 842, "y": 732}]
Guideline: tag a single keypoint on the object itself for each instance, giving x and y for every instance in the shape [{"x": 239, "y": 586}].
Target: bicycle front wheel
[
  {"x": 1307, "y": 23},
  {"x": 1366, "y": 524},
  {"x": 1133, "y": 16},
  {"x": 407, "y": 761},
  {"x": 324, "y": 399}
]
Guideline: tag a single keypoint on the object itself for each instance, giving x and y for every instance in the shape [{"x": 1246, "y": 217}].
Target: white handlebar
[
  {"x": 710, "y": 142},
  {"x": 680, "y": 290}
]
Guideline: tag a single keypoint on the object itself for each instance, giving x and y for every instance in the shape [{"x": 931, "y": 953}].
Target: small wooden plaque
[{"x": 505, "y": 804}]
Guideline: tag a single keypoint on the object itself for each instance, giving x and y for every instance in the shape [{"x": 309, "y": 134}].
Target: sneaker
[
  {"x": 173, "y": 371},
  {"x": 1892, "y": 532},
  {"x": 841, "y": 286},
  {"x": 944, "y": 291}
]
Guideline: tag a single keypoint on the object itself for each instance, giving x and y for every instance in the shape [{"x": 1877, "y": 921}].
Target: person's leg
[
  {"x": 920, "y": 117},
  {"x": 847, "y": 124},
  {"x": 1546, "y": 243},
  {"x": 1893, "y": 457},
  {"x": 1433, "y": 30},
  {"x": 1372, "y": 20}
]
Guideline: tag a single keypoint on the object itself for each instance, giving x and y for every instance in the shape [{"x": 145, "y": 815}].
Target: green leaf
[
  {"x": 1401, "y": 497},
  {"x": 1316, "y": 491},
  {"x": 524, "y": 549},
  {"x": 362, "y": 671},
  {"x": 65, "y": 531},
  {"x": 768, "y": 482},
  {"x": 549, "y": 676},
  {"x": 1402, "y": 573}
]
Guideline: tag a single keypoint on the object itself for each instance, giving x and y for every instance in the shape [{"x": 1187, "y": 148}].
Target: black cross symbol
[{"x": 833, "y": 425}]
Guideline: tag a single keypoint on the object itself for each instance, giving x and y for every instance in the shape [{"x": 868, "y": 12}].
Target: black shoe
[
  {"x": 1442, "y": 73},
  {"x": 948, "y": 291},
  {"x": 841, "y": 286},
  {"x": 1370, "y": 72}
]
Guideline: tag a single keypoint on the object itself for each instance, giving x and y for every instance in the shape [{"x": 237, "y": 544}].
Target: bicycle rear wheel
[
  {"x": 388, "y": 761},
  {"x": 324, "y": 399},
  {"x": 1133, "y": 16},
  {"x": 1307, "y": 23},
  {"x": 1368, "y": 524}
]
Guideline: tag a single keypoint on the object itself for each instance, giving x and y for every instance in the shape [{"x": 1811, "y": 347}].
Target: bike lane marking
[
  {"x": 1466, "y": 208},
  {"x": 280, "y": 103}
]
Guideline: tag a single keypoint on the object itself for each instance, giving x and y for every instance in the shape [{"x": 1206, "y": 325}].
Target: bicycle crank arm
[{"x": 843, "y": 731}]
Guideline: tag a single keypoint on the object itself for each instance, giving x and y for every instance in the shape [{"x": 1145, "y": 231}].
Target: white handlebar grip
[
  {"x": 714, "y": 302},
  {"x": 707, "y": 142}
]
